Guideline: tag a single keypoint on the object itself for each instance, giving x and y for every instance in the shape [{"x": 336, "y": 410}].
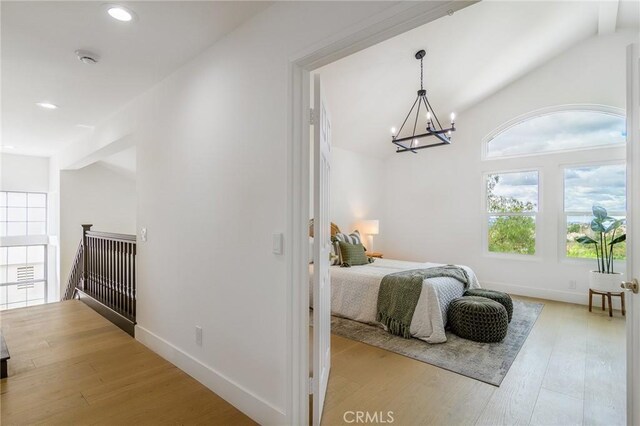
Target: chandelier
[{"x": 414, "y": 142}]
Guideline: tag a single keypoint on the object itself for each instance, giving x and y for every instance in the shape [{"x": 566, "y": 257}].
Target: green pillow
[{"x": 352, "y": 254}]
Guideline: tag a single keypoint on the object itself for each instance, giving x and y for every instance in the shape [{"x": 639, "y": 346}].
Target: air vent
[
  {"x": 25, "y": 273},
  {"x": 87, "y": 57}
]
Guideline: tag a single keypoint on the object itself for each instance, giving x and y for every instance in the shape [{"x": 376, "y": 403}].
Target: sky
[
  {"x": 583, "y": 187},
  {"x": 559, "y": 131},
  {"x": 602, "y": 185},
  {"x": 522, "y": 186}
]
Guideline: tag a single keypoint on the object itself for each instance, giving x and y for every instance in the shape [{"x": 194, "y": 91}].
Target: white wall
[
  {"x": 96, "y": 195},
  {"x": 357, "y": 183},
  {"x": 212, "y": 188},
  {"x": 436, "y": 213},
  {"x": 24, "y": 173}
]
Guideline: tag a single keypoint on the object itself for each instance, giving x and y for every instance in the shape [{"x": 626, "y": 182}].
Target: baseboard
[
  {"x": 122, "y": 322},
  {"x": 251, "y": 405},
  {"x": 540, "y": 293}
]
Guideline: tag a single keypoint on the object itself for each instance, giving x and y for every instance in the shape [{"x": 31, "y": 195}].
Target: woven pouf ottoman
[
  {"x": 478, "y": 319},
  {"x": 502, "y": 298}
]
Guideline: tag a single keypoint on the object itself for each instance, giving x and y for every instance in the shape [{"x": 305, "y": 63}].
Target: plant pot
[{"x": 605, "y": 282}]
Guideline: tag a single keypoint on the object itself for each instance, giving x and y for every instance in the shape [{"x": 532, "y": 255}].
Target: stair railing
[{"x": 106, "y": 265}]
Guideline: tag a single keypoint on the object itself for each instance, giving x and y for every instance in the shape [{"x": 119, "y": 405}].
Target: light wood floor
[
  {"x": 71, "y": 366},
  {"x": 571, "y": 370}
]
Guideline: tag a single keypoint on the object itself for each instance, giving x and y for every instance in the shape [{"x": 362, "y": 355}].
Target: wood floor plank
[
  {"x": 570, "y": 369},
  {"x": 69, "y": 365},
  {"x": 557, "y": 409}
]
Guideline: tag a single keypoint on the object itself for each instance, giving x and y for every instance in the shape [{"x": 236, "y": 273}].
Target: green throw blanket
[{"x": 399, "y": 293}]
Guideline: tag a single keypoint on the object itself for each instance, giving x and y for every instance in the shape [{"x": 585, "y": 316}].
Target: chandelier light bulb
[
  {"x": 453, "y": 117},
  {"x": 428, "y": 116},
  {"x": 393, "y": 131},
  {"x": 415, "y": 143}
]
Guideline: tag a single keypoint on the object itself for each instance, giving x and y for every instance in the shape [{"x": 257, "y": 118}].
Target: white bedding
[{"x": 354, "y": 295}]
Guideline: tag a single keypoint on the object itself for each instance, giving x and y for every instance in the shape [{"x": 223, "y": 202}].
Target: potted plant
[{"x": 605, "y": 237}]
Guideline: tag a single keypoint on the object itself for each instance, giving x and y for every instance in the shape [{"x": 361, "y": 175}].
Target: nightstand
[{"x": 375, "y": 254}]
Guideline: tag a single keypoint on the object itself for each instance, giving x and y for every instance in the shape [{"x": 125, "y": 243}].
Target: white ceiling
[
  {"x": 39, "y": 64},
  {"x": 470, "y": 55}
]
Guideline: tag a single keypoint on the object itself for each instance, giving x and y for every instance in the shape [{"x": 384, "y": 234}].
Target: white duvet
[{"x": 354, "y": 295}]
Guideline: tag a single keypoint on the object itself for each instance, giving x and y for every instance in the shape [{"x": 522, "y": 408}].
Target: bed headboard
[{"x": 334, "y": 229}]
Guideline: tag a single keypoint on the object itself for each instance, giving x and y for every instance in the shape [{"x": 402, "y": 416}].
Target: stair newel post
[{"x": 85, "y": 256}]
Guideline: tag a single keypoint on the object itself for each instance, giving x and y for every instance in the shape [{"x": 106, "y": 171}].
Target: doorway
[{"x": 304, "y": 221}]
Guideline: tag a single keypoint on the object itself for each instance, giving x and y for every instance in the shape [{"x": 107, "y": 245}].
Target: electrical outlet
[
  {"x": 572, "y": 284},
  {"x": 198, "y": 335}
]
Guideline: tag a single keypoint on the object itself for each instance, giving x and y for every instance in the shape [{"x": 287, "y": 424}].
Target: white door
[
  {"x": 633, "y": 237},
  {"x": 321, "y": 252}
]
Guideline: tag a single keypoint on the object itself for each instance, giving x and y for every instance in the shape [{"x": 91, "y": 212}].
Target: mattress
[{"x": 354, "y": 295}]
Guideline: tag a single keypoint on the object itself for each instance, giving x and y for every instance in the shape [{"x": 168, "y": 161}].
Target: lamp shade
[{"x": 370, "y": 227}]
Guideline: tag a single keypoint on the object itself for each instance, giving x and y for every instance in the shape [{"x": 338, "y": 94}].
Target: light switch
[
  {"x": 198, "y": 335},
  {"x": 277, "y": 243},
  {"x": 143, "y": 234}
]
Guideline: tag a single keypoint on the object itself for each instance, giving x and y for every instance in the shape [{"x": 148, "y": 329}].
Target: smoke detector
[{"x": 87, "y": 57}]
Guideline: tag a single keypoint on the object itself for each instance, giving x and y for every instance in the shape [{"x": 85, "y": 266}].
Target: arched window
[{"x": 565, "y": 129}]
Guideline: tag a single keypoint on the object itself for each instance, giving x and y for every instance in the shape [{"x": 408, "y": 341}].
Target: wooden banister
[
  {"x": 76, "y": 275},
  {"x": 106, "y": 263}
]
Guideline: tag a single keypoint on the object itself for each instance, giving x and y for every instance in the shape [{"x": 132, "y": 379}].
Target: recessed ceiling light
[
  {"x": 47, "y": 105},
  {"x": 120, "y": 13}
]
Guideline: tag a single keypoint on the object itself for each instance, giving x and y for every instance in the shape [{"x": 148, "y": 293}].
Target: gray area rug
[{"x": 487, "y": 362}]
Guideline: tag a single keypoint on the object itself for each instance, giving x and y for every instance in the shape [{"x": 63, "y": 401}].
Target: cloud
[
  {"x": 559, "y": 131},
  {"x": 522, "y": 186},
  {"x": 583, "y": 187},
  {"x": 602, "y": 185}
]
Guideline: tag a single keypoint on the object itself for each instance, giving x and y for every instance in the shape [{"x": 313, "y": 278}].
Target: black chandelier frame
[{"x": 434, "y": 128}]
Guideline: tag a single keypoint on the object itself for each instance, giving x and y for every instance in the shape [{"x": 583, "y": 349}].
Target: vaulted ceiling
[
  {"x": 39, "y": 64},
  {"x": 470, "y": 55}
]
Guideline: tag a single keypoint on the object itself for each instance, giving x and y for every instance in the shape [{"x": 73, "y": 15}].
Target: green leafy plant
[{"x": 604, "y": 238}]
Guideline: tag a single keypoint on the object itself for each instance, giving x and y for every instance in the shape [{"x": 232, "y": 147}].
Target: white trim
[
  {"x": 297, "y": 256},
  {"x": 252, "y": 405},
  {"x": 633, "y": 204},
  {"x": 581, "y": 298},
  {"x": 605, "y": 109}
]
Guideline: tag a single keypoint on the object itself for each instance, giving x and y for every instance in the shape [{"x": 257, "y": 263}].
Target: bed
[{"x": 354, "y": 295}]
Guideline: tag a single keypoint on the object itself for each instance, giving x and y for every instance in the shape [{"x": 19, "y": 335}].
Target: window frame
[
  {"x": 604, "y": 109},
  {"x": 46, "y": 215},
  {"x": 45, "y": 280},
  {"x": 537, "y": 256},
  {"x": 563, "y": 213}
]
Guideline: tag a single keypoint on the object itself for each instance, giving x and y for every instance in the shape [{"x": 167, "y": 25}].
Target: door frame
[
  {"x": 397, "y": 19},
  {"x": 633, "y": 206}
]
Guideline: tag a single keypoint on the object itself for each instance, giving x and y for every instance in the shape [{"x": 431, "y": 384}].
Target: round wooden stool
[{"x": 607, "y": 295}]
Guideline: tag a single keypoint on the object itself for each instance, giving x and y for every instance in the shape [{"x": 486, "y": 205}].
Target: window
[
  {"x": 558, "y": 131},
  {"x": 23, "y": 213},
  {"x": 22, "y": 276},
  {"x": 512, "y": 204},
  {"x": 585, "y": 186}
]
